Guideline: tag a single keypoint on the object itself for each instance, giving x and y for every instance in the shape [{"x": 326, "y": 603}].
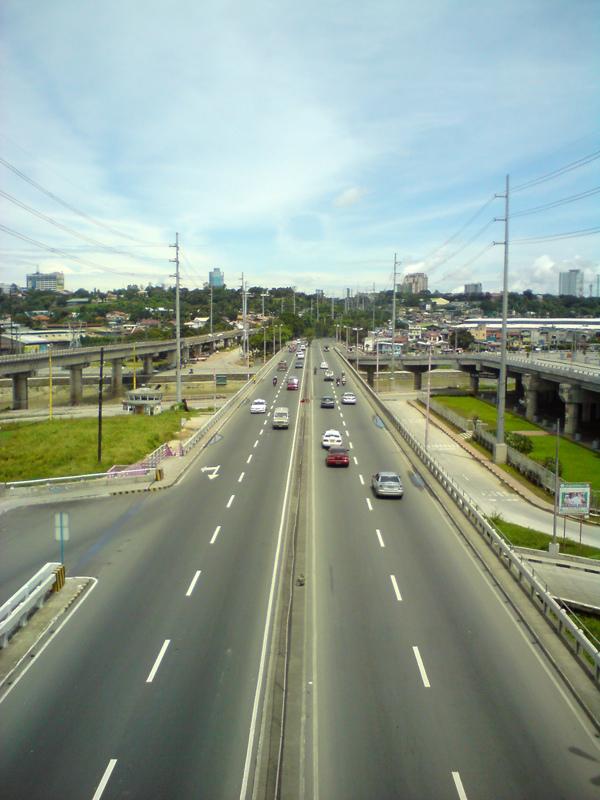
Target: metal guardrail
[
  {"x": 587, "y": 654},
  {"x": 17, "y": 609},
  {"x": 231, "y": 403},
  {"x": 63, "y": 481}
]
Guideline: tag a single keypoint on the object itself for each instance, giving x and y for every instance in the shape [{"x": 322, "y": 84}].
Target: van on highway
[{"x": 281, "y": 417}]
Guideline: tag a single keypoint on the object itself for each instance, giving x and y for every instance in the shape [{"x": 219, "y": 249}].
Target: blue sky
[{"x": 300, "y": 143}]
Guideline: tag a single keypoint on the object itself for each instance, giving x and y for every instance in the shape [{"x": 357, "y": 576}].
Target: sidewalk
[{"x": 494, "y": 490}]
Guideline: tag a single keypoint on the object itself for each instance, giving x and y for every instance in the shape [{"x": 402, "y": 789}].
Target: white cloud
[{"x": 349, "y": 197}]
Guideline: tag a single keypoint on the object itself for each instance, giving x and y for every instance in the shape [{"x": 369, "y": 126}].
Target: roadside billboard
[{"x": 574, "y": 498}]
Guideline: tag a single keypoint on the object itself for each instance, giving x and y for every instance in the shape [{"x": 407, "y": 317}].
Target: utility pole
[
  {"x": 317, "y": 302},
  {"x": 100, "y": 382},
  {"x": 262, "y": 296},
  {"x": 394, "y": 321},
  {"x": 212, "y": 341},
  {"x": 245, "y": 350},
  {"x": 177, "y": 321},
  {"x": 332, "y": 308},
  {"x": 500, "y": 445}
]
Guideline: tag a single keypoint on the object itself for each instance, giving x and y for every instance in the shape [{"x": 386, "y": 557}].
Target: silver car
[{"x": 387, "y": 484}]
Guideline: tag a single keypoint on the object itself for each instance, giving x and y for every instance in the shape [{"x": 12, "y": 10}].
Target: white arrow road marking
[{"x": 213, "y": 470}]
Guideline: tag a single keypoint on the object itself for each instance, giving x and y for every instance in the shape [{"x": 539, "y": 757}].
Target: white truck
[{"x": 281, "y": 417}]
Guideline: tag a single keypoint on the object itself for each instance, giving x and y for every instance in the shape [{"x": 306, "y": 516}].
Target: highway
[
  {"x": 151, "y": 684},
  {"x": 422, "y": 684},
  {"x": 419, "y": 683}
]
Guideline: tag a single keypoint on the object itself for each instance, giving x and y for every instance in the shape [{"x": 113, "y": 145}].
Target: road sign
[
  {"x": 61, "y": 531},
  {"x": 574, "y": 498},
  {"x": 61, "y": 526}
]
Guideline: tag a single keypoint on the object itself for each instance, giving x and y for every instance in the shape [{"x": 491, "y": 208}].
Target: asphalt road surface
[
  {"x": 422, "y": 684},
  {"x": 149, "y": 690}
]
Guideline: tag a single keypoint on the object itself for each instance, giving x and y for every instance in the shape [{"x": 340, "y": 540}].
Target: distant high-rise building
[
  {"x": 414, "y": 283},
  {"x": 473, "y": 288},
  {"x": 571, "y": 282},
  {"x": 46, "y": 281},
  {"x": 216, "y": 279}
]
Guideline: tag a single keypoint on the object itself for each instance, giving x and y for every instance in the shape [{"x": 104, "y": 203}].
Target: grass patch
[
  {"x": 470, "y": 407},
  {"x": 53, "y": 448},
  {"x": 590, "y": 623},
  {"x": 579, "y": 464},
  {"x": 520, "y": 536}
]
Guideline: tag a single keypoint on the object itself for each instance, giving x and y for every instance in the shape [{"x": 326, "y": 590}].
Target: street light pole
[
  {"x": 394, "y": 322},
  {"x": 556, "y": 483},
  {"x": 177, "y": 321},
  {"x": 428, "y": 400},
  {"x": 212, "y": 341},
  {"x": 500, "y": 446}
]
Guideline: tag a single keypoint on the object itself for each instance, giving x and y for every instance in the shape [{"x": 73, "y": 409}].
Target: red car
[
  {"x": 337, "y": 457},
  {"x": 292, "y": 383}
]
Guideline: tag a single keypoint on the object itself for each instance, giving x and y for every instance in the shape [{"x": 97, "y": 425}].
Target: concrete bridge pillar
[
  {"x": 418, "y": 380},
  {"x": 76, "y": 385},
  {"x": 532, "y": 386},
  {"x": 117, "y": 377},
  {"x": 148, "y": 366},
  {"x": 572, "y": 397},
  {"x": 185, "y": 354},
  {"x": 474, "y": 381},
  {"x": 19, "y": 391}
]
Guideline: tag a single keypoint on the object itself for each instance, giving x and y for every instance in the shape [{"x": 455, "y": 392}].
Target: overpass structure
[
  {"x": 545, "y": 388},
  {"x": 23, "y": 366}
]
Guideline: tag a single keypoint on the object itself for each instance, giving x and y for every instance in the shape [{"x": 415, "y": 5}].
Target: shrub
[
  {"x": 519, "y": 442},
  {"x": 549, "y": 463}
]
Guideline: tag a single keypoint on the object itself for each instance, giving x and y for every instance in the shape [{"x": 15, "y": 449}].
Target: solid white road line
[
  {"x": 459, "y": 787},
  {"x": 230, "y": 501},
  {"x": 159, "y": 658},
  {"x": 370, "y": 505},
  {"x": 380, "y": 537},
  {"x": 241, "y": 478},
  {"x": 215, "y": 534},
  {"x": 395, "y": 585},
  {"x": 255, "y": 443},
  {"x": 421, "y": 666},
  {"x": 105, "y": 778},
  {"x": 249, "y": 459},
  {"x": 355, "y": 460},
  {"x": 193, "y": 583},
  {"x": 361, "y": 479},
  {"x": 270, "y": 607}
]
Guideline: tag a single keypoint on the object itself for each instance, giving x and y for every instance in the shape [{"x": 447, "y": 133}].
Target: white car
[
  {"x": 331, "y": 438},
  {"x": 349, "y": 399},
  {"x": 324, "y": 365},
  {"x": 258, "y": 407}
]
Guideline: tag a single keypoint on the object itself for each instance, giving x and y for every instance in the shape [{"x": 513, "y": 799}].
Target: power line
[
  {"x": 57, "y": 224},
  {"x": 58, "y": 251},
  {"x": 459, "y": 231},
  {"x": 556, "y": 236},
  {"x": 468, "y": 263},
  {"x": 560, "y": 202},
  {"x": 581, "y": 162},
  {"x": 466, "y": 244},
  {"x": 63, "y": 203}
]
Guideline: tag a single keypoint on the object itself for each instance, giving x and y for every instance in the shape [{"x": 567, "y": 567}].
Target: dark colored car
[
  {"x": 337, "y": 457},
  {"x": 327, "y": 402},
  {"x": 282, "y": 366}
]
